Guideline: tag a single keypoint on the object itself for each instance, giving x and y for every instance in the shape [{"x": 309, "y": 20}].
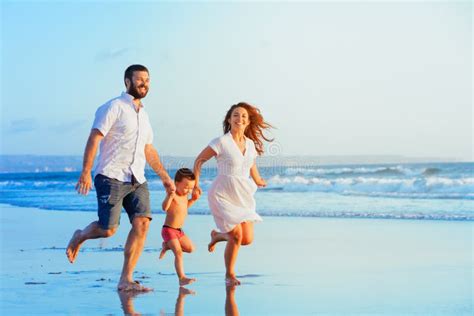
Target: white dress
[{"x": 231, "y": 194}]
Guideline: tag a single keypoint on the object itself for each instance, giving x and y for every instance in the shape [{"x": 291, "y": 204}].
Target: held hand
[
  {"x": 84, "y": 184},
  {"x": 196, "y": 193},
  {"x": 169, "y": 185},
  {"x": 261, "y": 183},
  {"x": 195, "y": 196}
]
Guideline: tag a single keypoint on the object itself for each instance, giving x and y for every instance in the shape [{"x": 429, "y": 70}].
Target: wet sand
[{"x": 295, "y": 266}]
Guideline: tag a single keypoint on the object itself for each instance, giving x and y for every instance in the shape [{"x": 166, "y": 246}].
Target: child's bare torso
[{"x": 177, "y": 212}]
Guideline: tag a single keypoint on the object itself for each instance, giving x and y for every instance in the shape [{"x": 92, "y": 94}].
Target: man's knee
[
  {"x": 141, "y": 224},
  {"x": 108, "y": 232}
]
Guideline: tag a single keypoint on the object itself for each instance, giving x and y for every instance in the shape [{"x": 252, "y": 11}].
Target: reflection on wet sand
[
  {"x": 126, "y": 299},
  {"x": 179, "y": 307},
  {"x": 230, "y": 304}
]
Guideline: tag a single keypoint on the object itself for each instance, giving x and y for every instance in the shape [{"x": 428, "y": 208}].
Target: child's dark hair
[{"x": 184, "y": 173}]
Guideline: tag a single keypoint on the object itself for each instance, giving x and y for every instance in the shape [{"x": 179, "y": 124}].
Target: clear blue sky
[{"x": 335, "y": 78}]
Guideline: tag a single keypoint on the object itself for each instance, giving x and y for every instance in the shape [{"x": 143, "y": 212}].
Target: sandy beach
[{"x": 296, "y": 266}]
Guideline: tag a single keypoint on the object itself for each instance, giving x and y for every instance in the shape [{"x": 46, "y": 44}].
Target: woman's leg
[
  {"x": 247, "y": 233},
  {"x": 215, "y": 238},
  {"x": 242, "y": 234},
  {"x": 234, "y": 240}
]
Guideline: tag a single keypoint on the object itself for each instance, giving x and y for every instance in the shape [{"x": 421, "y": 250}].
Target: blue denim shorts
[{"x": 113, "y": 194}]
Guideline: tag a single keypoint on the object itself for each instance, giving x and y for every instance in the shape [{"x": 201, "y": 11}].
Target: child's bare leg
[
  {"x": 234, "y": 240},
  {"x": 92, "y": 231},
  {"x": 215, "y": 238},
  {"x": 186, "y": 244},
  {"x": 175, "y": 246},
  {"x": 164, "y": 249}
]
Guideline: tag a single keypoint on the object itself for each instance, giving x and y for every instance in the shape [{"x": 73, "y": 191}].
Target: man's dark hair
[
  {"x": 184, "y": 173},
  {"x": 129, "y": 71}
]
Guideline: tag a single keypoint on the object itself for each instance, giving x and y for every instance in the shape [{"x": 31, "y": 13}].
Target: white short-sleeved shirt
[{"x": 126, "y": 132}]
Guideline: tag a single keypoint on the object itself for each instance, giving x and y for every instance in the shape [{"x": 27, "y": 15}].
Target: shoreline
[{"x": 387, "y": 218}]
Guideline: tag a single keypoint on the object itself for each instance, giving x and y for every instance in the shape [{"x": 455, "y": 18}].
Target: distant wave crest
[
  {"x": 415, "y": 187},
  {"x": 394, "y": 171}
]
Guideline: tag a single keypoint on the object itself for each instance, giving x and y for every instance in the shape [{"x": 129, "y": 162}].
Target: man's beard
[{"x": 133, "y": 91}]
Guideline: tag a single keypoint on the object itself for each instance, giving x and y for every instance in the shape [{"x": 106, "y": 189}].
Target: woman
[{"x": 231, "y": 195}]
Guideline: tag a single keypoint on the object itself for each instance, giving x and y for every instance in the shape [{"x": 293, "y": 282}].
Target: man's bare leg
[
  {"x": 133, "y": 250},
  {"x": 92, "y": 231}
]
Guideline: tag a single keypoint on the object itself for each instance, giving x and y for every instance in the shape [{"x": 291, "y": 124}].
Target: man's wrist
[
  {"x": 165, "y": 178},
  {"x": 162, "y": 174}
]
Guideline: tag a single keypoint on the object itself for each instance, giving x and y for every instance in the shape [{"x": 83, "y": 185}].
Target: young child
[{"x": 176, "y": 206}]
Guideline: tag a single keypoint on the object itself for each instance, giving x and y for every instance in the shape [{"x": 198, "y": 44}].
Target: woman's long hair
[{"x": 255, "y": 129}]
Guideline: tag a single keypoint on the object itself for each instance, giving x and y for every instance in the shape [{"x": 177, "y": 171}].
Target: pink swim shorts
[{"x": 169, "y": 233}]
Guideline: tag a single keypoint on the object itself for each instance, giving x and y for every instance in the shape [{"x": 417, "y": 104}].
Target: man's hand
[
  {"x": 169, "y": 185},
  {"x": 84, "y": 184}
]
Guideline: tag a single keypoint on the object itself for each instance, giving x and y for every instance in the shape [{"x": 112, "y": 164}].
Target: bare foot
[
  {"x": 231, "y": 280},
  {"x": 185, "y": 281},
  {"x": 132, "y": 287},
  {"x": 213, "y": 242},
  {"x": 164, "y": 249},
  {"x": 74, "y": 246}
]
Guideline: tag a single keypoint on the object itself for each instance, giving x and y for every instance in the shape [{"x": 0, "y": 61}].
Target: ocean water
[{"x": 425, "y": 191}]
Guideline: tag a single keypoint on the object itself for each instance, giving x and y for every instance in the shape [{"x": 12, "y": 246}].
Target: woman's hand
[
  {"x": 261, "y": 183},
  {"x": 196, "y": 193}
]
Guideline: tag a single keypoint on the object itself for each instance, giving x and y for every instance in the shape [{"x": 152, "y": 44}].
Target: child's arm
[
  {"x": 167, "y": 201},
  {"x": 256, "y": 176},
  {"x": 193, "y": 199}
]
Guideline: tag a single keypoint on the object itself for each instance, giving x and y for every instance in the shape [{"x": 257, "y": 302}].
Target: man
[{"x": 122, "y": 128}]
